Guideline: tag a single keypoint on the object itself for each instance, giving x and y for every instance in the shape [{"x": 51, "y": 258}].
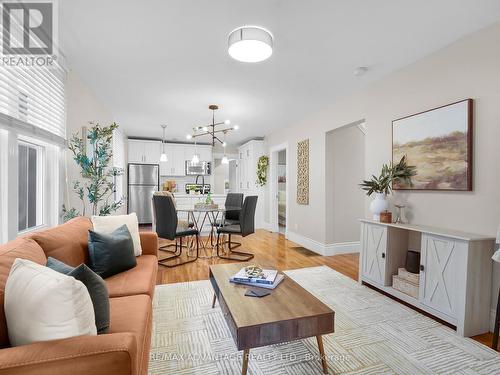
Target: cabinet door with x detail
[{"x": 439, "y": 272}]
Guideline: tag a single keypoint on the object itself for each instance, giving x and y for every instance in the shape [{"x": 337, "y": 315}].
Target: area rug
[{"x": 374, "y": 335}]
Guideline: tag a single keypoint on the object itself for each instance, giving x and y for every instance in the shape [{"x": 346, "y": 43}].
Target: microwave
[{"x": 203, "y": 168}]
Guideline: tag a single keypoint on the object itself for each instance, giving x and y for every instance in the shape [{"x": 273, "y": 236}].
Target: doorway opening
[
  {"x": 345, "y": 165},
  {"x": 279, "y": 205}
]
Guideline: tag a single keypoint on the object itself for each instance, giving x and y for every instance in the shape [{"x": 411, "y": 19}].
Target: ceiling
[{"x": 164, "y": 61}]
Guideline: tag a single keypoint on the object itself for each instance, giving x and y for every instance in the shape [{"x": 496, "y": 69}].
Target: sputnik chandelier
[{"x": 214, "y": 129}]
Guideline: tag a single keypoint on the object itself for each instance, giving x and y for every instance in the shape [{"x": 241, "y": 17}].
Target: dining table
[{"x": 216, "y": 216}]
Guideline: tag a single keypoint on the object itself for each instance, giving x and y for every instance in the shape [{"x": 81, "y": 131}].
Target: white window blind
[{"x": 34, "y": 95}]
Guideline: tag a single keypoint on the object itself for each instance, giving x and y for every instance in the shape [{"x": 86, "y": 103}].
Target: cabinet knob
[
  {"x": 383, "y": 255},
  {"x": 422, "y": 267}
]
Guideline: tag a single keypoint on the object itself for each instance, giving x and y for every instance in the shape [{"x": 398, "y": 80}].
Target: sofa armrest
[
  {"x": 149, "y": 243},
  {"x": 84, "y": 355}
]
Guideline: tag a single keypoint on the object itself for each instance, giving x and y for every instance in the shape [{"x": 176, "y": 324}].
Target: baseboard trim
[
  {"x": 321, "y": 248},
  {"x": 342, "y": 248},
  {"x": 308, "y": 243}
]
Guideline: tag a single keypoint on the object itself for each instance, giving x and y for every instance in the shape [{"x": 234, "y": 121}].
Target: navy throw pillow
[
  {"x": 112, "y": 253},
  {"x": 96, "y": 287}
]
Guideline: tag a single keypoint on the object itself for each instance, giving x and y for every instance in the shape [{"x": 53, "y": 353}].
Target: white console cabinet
[{"x": 455, "y": 270}]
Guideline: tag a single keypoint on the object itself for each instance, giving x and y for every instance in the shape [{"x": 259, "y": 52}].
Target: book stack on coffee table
[{"x": 265, "y": 278}]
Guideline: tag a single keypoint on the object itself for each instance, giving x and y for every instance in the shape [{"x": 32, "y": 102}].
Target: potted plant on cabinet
[{"x": 382, "y": 185}]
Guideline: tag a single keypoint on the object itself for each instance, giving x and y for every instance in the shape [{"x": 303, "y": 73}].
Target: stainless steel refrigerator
[{"x": 143, "y": 181}]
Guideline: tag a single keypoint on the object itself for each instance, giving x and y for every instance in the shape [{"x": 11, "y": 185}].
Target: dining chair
[
  {"x": 181, "y": 222},
  {"x": 168, "y": 227},
  {"x": 245, "y": 227},
  {"x": 232, "y": 217}
]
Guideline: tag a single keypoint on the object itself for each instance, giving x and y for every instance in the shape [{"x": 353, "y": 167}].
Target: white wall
[
  {"x": 83, "y": 106},
  {"x": 469, "y": 68},
  {"x": 345, "y": 165}
]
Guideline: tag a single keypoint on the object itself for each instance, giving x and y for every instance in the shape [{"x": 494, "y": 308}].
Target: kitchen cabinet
[
  {"x": 248, "y": 156},
  {"x": 143, "y": 151},
  {"x": 455, "y": 270},
  {"x": 204, "y": 151},
  {"x": 148, "y": 152},
  {"x": 175, "y": 164}
]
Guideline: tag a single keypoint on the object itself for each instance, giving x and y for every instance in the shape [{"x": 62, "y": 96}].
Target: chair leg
[
  {"x": 241, "y": 256},
  {"x": 231, "y": 244},
  {"x": 163, "y": 262},
  {"x": 174, "y": 245}
]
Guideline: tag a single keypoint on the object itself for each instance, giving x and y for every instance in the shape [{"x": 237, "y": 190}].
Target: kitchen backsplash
[{"x": 182, "y": 181}]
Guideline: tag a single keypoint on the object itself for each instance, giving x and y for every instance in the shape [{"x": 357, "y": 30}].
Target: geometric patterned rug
[{"x": 373, "y": 335}]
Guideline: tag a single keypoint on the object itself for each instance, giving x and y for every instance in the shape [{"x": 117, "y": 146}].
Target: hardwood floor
[
  {"x": 271, "y": 250},
  {"x": 274, "y": 251}
]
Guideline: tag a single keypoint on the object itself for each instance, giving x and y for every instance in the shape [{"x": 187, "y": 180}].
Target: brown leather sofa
[{"x": 125, "y": 349}]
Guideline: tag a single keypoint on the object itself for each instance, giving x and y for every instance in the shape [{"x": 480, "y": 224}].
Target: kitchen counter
[
  {"x": 200, "y": 196},
  {"x": 189, "y": 200}
]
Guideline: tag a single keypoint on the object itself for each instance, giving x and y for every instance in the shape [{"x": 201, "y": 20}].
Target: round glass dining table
[{"x": 198, "y": 215}]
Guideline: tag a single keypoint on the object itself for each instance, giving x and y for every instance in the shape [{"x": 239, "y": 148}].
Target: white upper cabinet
[
  {"x": 248, "y": 156},
  {"x": 144, "y": 152},
  {"x": 148, "y": 152},
  {"x": 152, "y": 152},
  {"x": 135, "y": 151}
]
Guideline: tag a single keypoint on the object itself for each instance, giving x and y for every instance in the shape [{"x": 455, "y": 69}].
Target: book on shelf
[
  {"x": 268, "y": 277},
  {"x": 279, "y": 278}
]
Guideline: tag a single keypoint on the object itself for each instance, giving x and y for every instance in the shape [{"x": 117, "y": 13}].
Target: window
[{"x": 30, "y": 194}]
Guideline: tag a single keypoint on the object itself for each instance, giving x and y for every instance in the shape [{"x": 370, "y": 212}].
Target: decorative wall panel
[{"x": 303, "y": 172}]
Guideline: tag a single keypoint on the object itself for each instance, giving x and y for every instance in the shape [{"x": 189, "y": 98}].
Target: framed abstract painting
[{"x": 439, "y": 143}]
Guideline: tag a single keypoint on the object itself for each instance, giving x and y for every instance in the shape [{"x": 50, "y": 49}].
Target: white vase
[{"x": 378, "y": 205}]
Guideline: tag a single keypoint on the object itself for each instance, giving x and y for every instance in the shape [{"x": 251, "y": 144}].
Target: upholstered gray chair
[
  {"x": 245, "y": 227},
  {"x": 233, "y": 202},
  {"x": 168, "y": 227}
]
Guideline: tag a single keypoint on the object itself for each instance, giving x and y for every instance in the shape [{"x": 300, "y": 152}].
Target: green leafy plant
[
  {"x": 97, "y": 188},
  {"x": 389, "y": 174},
  {"x": 262, "y": 165}
]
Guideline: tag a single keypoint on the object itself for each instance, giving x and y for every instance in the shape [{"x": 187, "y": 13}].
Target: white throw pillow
[
  {"x": 42, "y": 304},
  {"x": 107, "y": 224}
]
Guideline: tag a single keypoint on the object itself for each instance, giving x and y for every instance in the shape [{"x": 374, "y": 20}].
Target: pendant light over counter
[
  {"x": 163, "y": 156},
  {"x": 250, "y": 44}
]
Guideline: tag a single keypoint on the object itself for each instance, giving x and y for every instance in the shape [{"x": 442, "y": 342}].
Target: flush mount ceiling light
[{"x": 250, "y": 44}]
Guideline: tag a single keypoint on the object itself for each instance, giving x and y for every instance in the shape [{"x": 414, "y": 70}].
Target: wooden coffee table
[{"x": 289, "y": 313}]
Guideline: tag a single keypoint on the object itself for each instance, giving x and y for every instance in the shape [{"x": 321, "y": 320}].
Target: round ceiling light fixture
[{"x": 250, "y": 44}]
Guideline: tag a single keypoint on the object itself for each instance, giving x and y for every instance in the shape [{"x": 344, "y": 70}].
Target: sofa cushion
[
  {"x": 20, "y": 248},
  {"x": 42, "y": 304},
  {"x": 133, "y": 314},
  {"x": 66, "y": 242},
  {"x": 108, "y": 224},
  {"x": 139, "y": 280},
  {"x": 95, "y": 285}
]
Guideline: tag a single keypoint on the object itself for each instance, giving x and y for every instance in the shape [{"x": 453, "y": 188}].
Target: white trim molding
[
  {"x": 321, "y": 248},
  {"x": 342, "y": 248}
]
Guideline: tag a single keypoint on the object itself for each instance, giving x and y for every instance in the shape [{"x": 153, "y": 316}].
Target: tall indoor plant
[
  {"x": 93, "y": 156},
  {"x": 382, "y": 185}
]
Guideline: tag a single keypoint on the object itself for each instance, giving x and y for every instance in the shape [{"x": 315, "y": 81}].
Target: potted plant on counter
[{"x": 382, "y": 185}]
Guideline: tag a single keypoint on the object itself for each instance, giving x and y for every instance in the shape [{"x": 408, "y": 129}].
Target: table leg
[
  {"x": 244, "y": 368},
  {"x": 322, "y": 354},
  {"x": 213, "y": 300}
]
